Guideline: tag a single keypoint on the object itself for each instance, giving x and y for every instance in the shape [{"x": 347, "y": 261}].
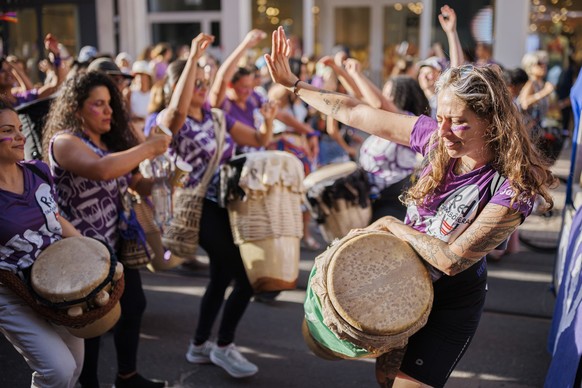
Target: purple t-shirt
[
  {"x": 195, "y": 143},
  {"x": 91, "y": 206},
  {"x": 458, "y": 201},
  {"x": 386, "y": 162},
  {"x": 30, "y": 221},
  {"x": 250, "y": 116},
  {"x": 25, "y": 97}
]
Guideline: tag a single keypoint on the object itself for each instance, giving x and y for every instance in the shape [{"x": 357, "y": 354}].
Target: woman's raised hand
[
  {"x": 278, "y": 60},
  {"x": 269, "y": 110},
  {"x": 353, "y": 66},
  {"x": 253, "y": 37},
  {"x": 448, "y": 19},
  {"x": 200, "y": 44}
]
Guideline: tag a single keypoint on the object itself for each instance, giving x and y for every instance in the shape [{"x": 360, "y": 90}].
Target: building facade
[{"x": 375, "y": 31}]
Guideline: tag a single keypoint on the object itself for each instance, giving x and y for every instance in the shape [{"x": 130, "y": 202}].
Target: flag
[{"x": 9, "y": 17}]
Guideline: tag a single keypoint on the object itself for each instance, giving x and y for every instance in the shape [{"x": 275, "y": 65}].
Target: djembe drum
[
  {"x": 262, "y": 192},
  {"x": 367, "y": 294},
  {"x": 78, "y": 278},
  {"x": 338, "y": 199}
]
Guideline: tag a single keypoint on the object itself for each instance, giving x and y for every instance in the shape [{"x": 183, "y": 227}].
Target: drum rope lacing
[{"x": 53, "y": 312}]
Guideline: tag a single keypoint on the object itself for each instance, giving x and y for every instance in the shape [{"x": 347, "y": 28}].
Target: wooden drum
[
  {"x": 78, "y": 277},
  {"x": 338, "y": 199},
  {"x": 262, "y": 192},
  {"x": 366, "y": 295}
]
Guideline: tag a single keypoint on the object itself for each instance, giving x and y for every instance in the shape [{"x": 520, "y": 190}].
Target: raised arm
[
  {"x": 529, "y": 97},
  {"x": 225, "y": 72},
  {"x": 337, "y": 65},
  {"x": 371, "y": 94},
  {"x": 182, "y": 95},
  {"x": 52, "y": 45},
  {"x": 448, "y": 20},
  {"x": 341, "y": 107},
  {"x": 75, "y": 156}
]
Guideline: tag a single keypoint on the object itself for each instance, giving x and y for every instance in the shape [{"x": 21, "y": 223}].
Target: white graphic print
[
  {"x": 455, "y": 214},
  {"x": 49, "y": 207}
]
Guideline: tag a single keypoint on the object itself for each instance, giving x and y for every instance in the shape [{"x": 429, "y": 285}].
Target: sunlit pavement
[{"x": 509, "y": 349}]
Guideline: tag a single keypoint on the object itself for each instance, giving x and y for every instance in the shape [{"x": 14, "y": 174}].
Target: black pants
[
  {"x": 225, "y": 266},
  {"x": 388, "y": 204},
  {"x": 126, "y": 333}
]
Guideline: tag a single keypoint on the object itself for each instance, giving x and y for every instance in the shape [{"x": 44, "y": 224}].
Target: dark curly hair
[
  {"x": 408, "y": 96},
  {"x": 73, "y": 94}
]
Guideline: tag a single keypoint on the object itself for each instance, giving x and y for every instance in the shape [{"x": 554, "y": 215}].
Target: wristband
[
  {"x": 314, "y": 133},
  {"x": 295, "y": 88},
  {"x": 57, "y": 60}
]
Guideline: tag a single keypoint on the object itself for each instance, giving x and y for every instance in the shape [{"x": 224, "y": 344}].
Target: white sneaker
[
  {"x": 199, "y": 354},
  {"x": 234, "y": 363}
]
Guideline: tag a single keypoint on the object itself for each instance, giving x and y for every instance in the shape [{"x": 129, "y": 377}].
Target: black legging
[
  {"x": 126, "y": 333},
  {"x": 388, "y": 204},
  {"x": 225, "y": 266}
]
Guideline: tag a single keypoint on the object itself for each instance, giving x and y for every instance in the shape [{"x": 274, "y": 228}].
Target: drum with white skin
[
  {"x": 367, "y": 294},
  {"x": 79, "y": 276},
  {"x": 263, "y": 193},
  {"x": 338, "y": 198}
]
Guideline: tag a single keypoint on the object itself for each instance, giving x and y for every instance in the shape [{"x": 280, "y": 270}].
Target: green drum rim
[{"x": 321, "y": 333}]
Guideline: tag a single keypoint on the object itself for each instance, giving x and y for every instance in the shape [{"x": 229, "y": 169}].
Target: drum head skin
[
  {"x": 331, "y": 172},
  {"x": 70, "y": 269},
  {"x": 378, "y": 284}
]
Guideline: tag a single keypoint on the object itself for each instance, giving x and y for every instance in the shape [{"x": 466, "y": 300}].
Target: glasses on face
[
  {"x": 199, "y": 83},
  {"x": 541, "y": 63}
]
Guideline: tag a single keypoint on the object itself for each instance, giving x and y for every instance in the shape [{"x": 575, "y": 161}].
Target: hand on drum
[
  {"x": 384, "y": 224},
  {"x": 278, "y": 60}
]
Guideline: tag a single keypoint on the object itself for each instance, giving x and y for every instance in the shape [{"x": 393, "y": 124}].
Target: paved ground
[{"x": 509, "y": 349}]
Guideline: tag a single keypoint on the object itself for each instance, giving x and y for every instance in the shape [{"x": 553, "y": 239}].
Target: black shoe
[{"x": 138, "y": 381}]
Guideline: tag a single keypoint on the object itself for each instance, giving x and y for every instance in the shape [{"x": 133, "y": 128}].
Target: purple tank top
[
  {"x": 195, "y": 143},
  {"x": 250, "y": 116},
  {"x": 30, "y": 221},
  {"x": 92, "y": 206}
]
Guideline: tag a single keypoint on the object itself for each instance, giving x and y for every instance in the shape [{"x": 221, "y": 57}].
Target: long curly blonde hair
[{"x": 515, "y": 157}]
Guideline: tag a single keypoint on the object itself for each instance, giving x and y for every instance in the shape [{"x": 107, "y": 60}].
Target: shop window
[
  {"x": 268, "y": 15},
  {"x": 61, "y": 21},
  {"x": 352, "y": 30},
  {"x": 176, "y": 34},
  {"x": 183, "y": 5},
  {"x": 401, "y": 36},
  {"x": 22, "y": 38}
]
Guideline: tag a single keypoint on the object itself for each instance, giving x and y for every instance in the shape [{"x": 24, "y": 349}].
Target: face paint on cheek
[
  {"x": 458, "y": 128},
  {"x": 6, "y": 139}
]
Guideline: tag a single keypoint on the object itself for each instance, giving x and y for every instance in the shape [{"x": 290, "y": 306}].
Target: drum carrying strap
[{"x": 219, "y": 132}]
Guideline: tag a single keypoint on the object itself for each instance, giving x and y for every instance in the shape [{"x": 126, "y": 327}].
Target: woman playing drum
[
  {"x": 92, "y": 153},
  {"x": 479, "y": 183},
  {"x": 30, "y": 222},
  {"x": 195, "y": 142}
]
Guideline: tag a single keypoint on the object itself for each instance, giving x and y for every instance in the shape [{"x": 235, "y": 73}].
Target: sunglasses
[{"x": 199, "y": 83}]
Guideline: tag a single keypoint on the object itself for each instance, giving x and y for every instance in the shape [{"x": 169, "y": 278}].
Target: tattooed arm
[
  {"x": 491, "y": 228},
  {"x": 343, "y": 108}
]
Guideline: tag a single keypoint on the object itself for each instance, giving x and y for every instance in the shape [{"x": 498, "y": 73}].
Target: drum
[
  {"x": 78, "y": 276},
  {"x": 338, "y": 197},
  {"x": 367, "y": 294},
  {"x": 262, "y": 192}
]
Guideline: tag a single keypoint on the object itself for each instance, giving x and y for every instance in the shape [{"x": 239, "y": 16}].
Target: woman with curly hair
[
  {"x": 477, "y": 185},
  {"x": 93, "y": 156}
]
